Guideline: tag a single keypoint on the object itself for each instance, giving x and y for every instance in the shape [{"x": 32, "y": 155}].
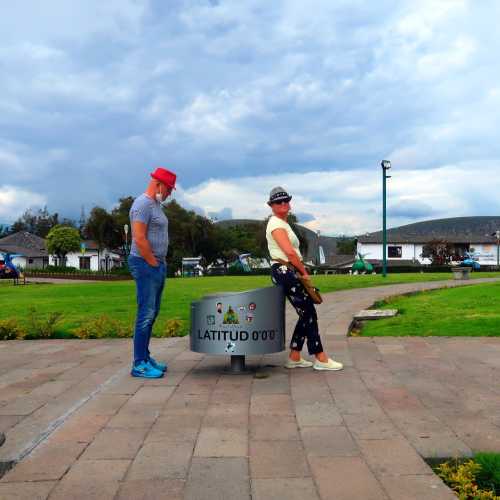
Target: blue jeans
[{"x": 149, "y": 281}]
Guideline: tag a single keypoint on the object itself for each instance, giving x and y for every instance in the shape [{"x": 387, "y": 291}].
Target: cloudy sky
[{"x": 238, "y": 97}]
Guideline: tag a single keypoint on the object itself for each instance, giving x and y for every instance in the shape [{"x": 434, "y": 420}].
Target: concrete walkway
[{"x": 80, "y": 427}]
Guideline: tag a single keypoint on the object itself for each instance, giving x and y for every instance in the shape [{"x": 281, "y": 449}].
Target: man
[{"x": 147, "y": 266}]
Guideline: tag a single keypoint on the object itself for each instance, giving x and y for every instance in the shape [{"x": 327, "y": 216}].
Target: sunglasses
[{"x": 281, "y": 202}]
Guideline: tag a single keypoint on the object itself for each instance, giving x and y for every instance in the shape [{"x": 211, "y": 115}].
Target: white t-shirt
[{"x": 274, "y": 249}]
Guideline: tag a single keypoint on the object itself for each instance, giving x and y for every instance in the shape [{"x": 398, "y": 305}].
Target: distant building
[
  {"x": 30, "y": 248},
  {"x": 405, "y": 244},
  {"x": 32, "y": 253},
  {"x": 91, "y": 258}
]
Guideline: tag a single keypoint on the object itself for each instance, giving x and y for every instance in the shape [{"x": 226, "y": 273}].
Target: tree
[
  {"x": 346, "y": 245},
  {"x": 61, "y": 240},
  {"x": 121, "y": 216},
  {"x": 438, "y": 251},
  {"x": 190, "y": 235},
  {"x": 101, "y": 228},
  {"x": 39, "y": 222}
]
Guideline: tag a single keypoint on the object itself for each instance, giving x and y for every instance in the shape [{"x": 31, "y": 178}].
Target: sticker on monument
[
  {"x": 231, "y": 318},
  {"x": 242, "y": 308},
  {"x": 210, "y": 319},
  {"x": 249, "y": 318},
  {"x": 230, "y": 347},
  {"x": 219, "y": 307},
  {"x": 252, "y": 306}
]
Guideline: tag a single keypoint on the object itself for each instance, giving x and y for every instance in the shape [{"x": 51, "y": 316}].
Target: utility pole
[
  {"x": 125, "y": 230},
  {"x": 497, "y": 234},
  {"x": 386, "y": 165}
]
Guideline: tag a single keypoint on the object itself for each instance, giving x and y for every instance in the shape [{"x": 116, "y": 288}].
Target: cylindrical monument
[{"x": 239, "y": 324}]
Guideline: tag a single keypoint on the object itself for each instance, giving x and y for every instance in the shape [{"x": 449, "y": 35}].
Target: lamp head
[{"x": 386, "y": 164}]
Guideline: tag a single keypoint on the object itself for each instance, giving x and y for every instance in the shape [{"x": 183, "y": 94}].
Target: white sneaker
[
  {"x": 298, "y": 364},
  {"x": 330, "y": 365}
]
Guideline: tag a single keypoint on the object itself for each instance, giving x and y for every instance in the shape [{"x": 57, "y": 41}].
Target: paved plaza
[{"x": 79, "y": 426}]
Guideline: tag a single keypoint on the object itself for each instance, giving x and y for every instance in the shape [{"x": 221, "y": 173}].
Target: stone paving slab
[{"x": 80, "y": 427}]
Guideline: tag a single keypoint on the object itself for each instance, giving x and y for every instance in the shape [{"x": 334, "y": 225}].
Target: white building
[
  {"x": 405, "y": 244},
  {"x": 29, "y": 248},
  {"x": 32, "y": 254},
  {"x": 90, "y": 258}
]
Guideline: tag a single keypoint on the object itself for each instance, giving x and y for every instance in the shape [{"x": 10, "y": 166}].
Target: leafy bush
[
  {"x": 10, "y": 330},
  {"x": 120, "y": 271},
  {"x": 461, "y": 477},
  {"x": 173, "y": 328},
  {"x": 103, "y": 327},
  {"x": 42, "y": 328},
  {"x": 489, "y": 476}
]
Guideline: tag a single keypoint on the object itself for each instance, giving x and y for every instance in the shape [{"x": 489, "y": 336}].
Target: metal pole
[
  {"x": 237, "y": 364},
  {"x": 318, "y": 259},
  {"x": 498, "y": 249},
  {"x": 384, "y": 223},
  {"x": 125, "y": 229}
]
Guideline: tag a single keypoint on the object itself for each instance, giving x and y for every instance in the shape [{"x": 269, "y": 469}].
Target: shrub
[
  {"x": 461, "y": 477},
  {"x": 10, "y": 330},
  {"x": 488, "y": 478},
  {"x": 173, "y": 328},
  {"x": 103, "y": 327},
  {"x": 120, "y": 271},
  {"x": 42, "y": 328}
]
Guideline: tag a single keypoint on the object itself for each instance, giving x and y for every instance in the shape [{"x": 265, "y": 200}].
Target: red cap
[{"x": 166, "y": 176}]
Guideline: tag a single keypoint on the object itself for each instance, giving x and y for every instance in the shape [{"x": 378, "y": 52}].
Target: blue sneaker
[
  {"x": 145, "y": 370},
  {"x": 155, "y": 364}
]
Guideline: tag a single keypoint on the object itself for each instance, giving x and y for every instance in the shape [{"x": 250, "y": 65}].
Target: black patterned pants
[{"x": 307, "y": 324}]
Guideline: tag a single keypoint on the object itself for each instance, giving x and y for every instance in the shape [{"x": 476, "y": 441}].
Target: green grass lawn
[
  {"x": 465, "y": 311},
  {"x": 79, "y": 302}
]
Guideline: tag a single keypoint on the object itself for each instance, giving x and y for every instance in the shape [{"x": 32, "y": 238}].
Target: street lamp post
[
  {"x": 386, "y": 165},
  {"x": 125, "y": 230},
  {"x": 497, "y": 235},
  {"x": 318, "y": 256}
]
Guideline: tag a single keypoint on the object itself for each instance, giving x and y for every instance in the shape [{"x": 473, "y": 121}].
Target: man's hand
[{"x": 139, "y": 234}]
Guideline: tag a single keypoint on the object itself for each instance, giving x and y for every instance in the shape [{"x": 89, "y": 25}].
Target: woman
[{"x": 283, "y": 246}]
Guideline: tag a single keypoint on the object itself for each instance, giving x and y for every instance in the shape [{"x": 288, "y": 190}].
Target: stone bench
[{"x": 461, "y": 273}]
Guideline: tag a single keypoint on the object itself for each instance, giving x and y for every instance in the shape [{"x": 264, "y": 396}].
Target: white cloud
[
  {"x": 14, "y": 201},
  {"x": 83, "y": 87},
  {"x": 32, "y": 52},
  {"x": 436, "y": 64},
  {"x": 94, "y": 92},
  {"x": 215, "y": 117},
  {"x": 37, "y": 21},
  {"x": 349, "y": 202},
  {"x": 8, "y": 161}
]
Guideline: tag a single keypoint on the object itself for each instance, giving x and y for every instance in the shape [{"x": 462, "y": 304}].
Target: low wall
[{"x": 79, "y": 276}]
